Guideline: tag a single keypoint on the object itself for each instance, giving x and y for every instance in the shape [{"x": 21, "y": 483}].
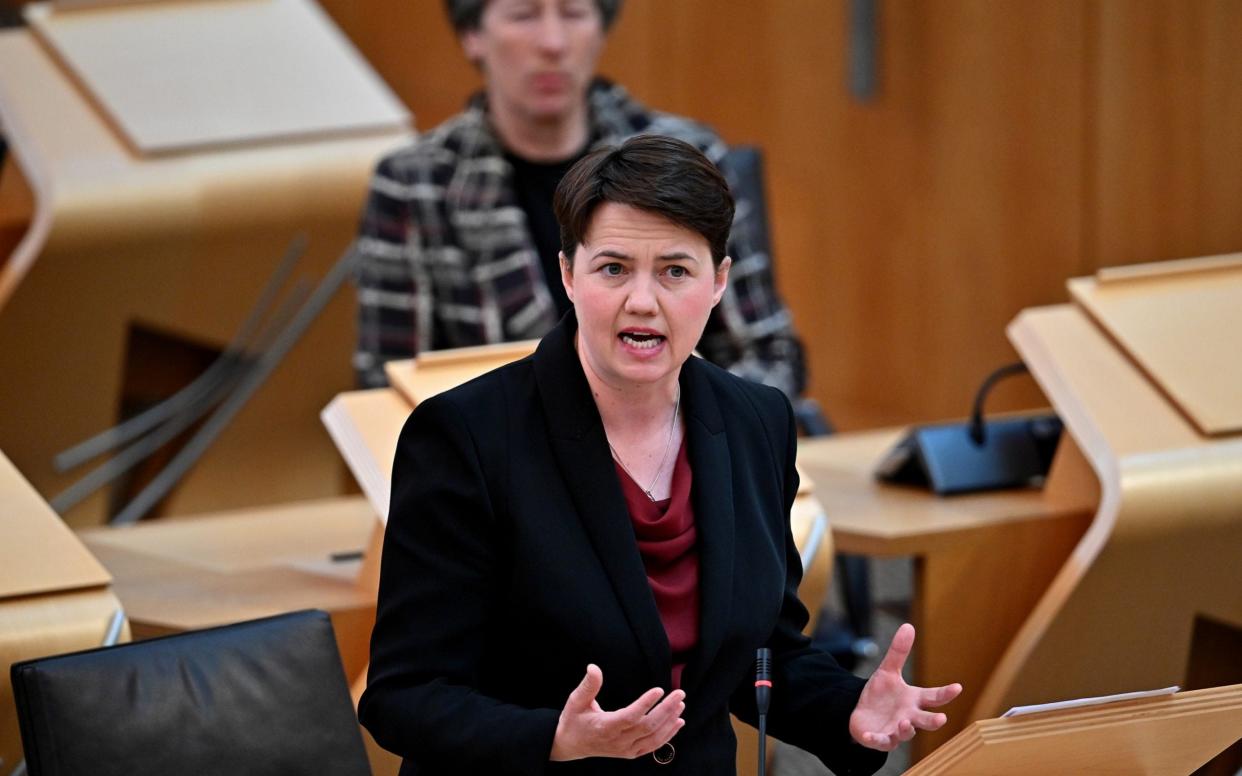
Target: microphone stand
[{"x": 763, "y": 697}]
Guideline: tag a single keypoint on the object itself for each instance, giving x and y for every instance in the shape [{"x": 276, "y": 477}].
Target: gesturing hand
[
  {"x": 586, "y": 730},
  {"x": 889, "y": 710}
]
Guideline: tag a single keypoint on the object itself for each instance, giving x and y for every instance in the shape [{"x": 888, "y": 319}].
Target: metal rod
[
  {"x": 115, "y": 624},
  {"x": 137, "y": 452},
  {"x": 264, "y": 365},
  {"x": 205, "y": 383}
]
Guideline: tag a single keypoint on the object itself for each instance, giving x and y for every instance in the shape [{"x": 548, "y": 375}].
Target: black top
[
  {"x": 534, "y": 184},
  {"x": 510, "y": 563}
]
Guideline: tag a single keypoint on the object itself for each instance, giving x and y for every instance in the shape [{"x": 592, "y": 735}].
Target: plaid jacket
[{"x": 444, "y": 258}]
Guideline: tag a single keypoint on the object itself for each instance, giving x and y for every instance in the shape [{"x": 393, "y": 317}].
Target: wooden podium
[
  {"x": 1120, "y": 573},
  {"x": 981, "y": 561},
  {"x": 1145, "y": 372},
  {"x": 148, "y": 194},
  {"x": 1170, "y": 736},
  {"x": 54, "y": 595}
]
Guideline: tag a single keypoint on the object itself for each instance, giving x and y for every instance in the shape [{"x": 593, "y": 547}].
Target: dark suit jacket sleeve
[
  {"x": 812, "y": 696},
  {"x": 441, "y": 570}
]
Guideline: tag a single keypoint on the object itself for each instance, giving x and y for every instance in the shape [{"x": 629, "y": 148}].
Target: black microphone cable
[
  {"x": 977, "y": 428},
  {"x": 763, "y": 697}
]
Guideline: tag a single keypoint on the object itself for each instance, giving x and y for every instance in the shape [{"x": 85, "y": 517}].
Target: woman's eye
[
  {"x": 579, "y": 10},
  {"x": 522, "y": 12},
  {"x": 612, "y": 270},
  {"x": 676, "y": 271}
]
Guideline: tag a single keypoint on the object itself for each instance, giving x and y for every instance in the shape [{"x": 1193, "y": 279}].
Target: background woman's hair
[{"x": 465, "y": 14}]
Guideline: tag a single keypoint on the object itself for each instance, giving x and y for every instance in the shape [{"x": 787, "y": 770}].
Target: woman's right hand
[{"x": 586, "y": 730}]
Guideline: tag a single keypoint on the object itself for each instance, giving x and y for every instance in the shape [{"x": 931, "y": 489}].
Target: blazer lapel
[
  {"x": 581, "y": 452},
  {"x": 712, "y": 497}
]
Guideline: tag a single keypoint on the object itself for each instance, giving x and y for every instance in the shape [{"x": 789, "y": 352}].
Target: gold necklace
[{"x": 672, "y": 427}]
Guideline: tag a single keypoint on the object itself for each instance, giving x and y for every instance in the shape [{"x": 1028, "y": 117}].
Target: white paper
[{"x": 1018, "y": 711}]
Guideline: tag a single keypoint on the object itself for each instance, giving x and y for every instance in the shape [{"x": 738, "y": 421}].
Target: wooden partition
[{"x": 1009, "y": 146}]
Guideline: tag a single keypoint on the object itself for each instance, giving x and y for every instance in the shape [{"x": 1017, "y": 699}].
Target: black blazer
[{"x": 510, "y": 563}]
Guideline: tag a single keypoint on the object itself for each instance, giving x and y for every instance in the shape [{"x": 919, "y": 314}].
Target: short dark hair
[
  {"x": 466, "y": 15},
  {"x": 662, "y": 175}
]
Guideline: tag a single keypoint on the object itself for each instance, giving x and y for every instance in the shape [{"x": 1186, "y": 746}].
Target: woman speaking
[{"x": 586, "y": 547}]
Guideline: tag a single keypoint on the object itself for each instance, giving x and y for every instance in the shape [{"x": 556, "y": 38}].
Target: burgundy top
[{"x": 667, "y": 540}]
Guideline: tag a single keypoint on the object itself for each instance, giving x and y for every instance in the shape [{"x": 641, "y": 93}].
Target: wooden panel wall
[
  {"x": 1166, "y": 175},
  {"x": 1011, "y": 145}
]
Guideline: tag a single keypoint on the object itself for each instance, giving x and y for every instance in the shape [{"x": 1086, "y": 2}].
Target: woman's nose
[
  {"x": 552, "y": 33},
  {"x": 641, "y": 300}
]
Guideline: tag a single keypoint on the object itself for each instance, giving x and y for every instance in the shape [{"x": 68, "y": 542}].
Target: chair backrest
[
  {"x": 267, "y": 696},
  {"x": 743, "y": 165}
]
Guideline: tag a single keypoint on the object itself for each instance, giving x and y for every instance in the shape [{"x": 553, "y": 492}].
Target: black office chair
[
  {"x": 265, "y": 697},
  {"x": 851, "y": 639}
]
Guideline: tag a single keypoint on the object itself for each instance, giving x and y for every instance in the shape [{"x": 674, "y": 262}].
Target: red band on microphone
[{"x": 763, "y": 683}]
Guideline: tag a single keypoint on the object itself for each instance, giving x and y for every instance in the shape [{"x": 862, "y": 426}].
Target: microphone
[
  {"x": 978, "y": 429},
  {"x": 763, "y": 697}
]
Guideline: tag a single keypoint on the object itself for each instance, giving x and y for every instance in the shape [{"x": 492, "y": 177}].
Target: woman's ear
[
  {"x": 567, "y": 275},
  {"x": 721, "y": 280},
  {"x": 472, "y": 46}
]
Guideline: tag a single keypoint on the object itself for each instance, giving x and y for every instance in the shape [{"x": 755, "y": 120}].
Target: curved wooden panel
[{"x": 1165, "y": 543}]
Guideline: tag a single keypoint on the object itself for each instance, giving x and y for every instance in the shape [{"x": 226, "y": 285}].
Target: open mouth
[{"x": 641, "y": 341}]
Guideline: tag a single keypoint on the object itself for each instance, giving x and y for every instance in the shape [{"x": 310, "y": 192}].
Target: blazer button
[{"x": 665, "y": 754}]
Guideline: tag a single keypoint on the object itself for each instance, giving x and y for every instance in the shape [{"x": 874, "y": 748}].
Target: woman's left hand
[{"x": 889, "y": 710}]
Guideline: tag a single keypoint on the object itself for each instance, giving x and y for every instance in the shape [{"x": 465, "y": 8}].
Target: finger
[
  {"x": 662, "y": 734},
  {"x": 899, "y": 649},
  {"x": 634, "y": 713},
  {"x": 664, "y": 712},
  {"x": 670, "y": 708},
  {"x": 927, "y": 720},
  {"x": 583, "y": 696},
  {"x": 905, "y": 730},
  {"x": 878, "y": 741},
  {"x": 932, "y": 697}
]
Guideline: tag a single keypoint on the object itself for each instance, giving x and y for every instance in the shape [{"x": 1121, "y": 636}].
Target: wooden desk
[
  {"x": 54, "y": 595},
  {"x": 191, "y": 573},
  {"x": 981, "y": 561},
  {"x": 1165, "y": 544},
  {"x": 106, "y": 242},
  {"x": 1171, "y": 734}
]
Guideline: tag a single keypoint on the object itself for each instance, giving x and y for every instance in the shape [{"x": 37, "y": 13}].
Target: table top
[
  {"x": 180, "y": 76},
  {"x": 38, "y": 552},
  {"x": 874, "y": 518},
  {"x": 1177, "y": 321},
  {"x": 188, "y": 573}
]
